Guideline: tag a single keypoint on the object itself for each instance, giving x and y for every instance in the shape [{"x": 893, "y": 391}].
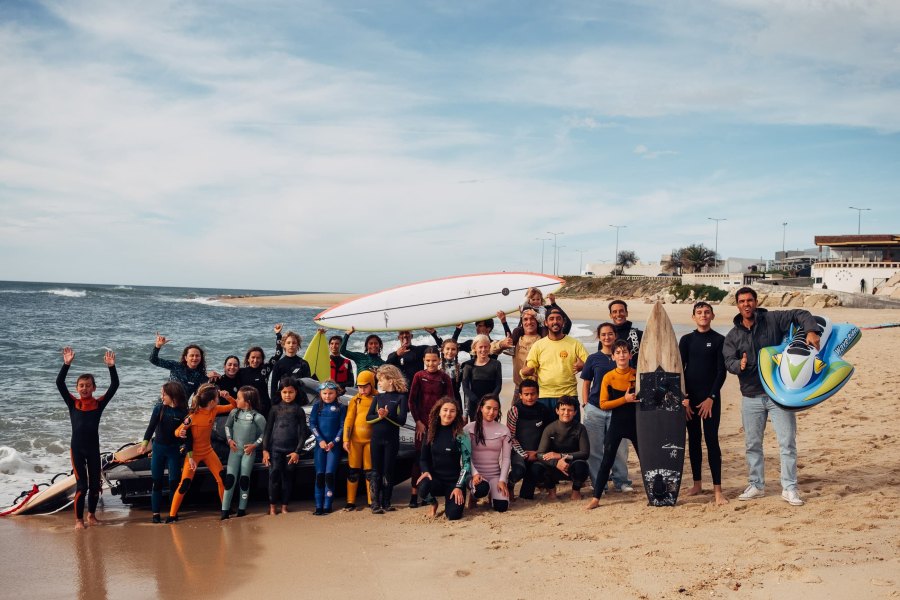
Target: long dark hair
[
  {"x": 434, "y": 418},
  {"x": 175, "y": 391},
  {"x": 479, "y": 419},
  {"x": 251, "y": 351},
  {"x": 202, "y": 365},
  {"x": 251, "y": 395}
]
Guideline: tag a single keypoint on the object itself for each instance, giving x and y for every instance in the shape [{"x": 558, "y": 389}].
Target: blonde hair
[
  {"x": 481, "y": 339},
  {"x": 295, "y": 335},
  {"x": 531, "y": 291},
  {"x": 392, "y": 377}
]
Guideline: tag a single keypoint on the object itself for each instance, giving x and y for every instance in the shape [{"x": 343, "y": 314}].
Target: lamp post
[
  {"x": 783, "y": 254},
  {"x": 858, "y": 217},
  {"x": 616, "y": 256},
  {"x": 717, "y": 240},
  {"x": 542, "y": 251},
  {"x": 555, "y": 249},
  {"x": 556, "y": 271},
  {"x": 580, "y": 263}
]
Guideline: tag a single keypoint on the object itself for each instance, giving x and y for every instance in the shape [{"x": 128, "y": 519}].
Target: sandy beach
[{"x": 843, "y": 543}]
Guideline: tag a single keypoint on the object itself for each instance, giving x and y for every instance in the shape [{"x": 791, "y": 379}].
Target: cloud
[{"x": 644, "y": 152}]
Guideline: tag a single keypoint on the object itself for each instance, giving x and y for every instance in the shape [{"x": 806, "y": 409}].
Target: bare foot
[
  {"x": 284, "y": 509},
  {"x": 92, "y": 520},
  {"x": 697, "y": 489},
  {"x": 594, "y": 503},
  {"x": 720, "y": 499},
  {"x": 272, "y": 510},
  {"x": 79, "y": 524},
  {"x": 576, "y": 495},
  {"x": 434, "y": 508},
  {"x": 551, "y": 494}
]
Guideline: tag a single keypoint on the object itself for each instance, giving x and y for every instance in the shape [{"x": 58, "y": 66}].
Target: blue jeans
[
  {"x": 164, "y": 456},
  {"x": 596, "y": 422},
  {"x": 754, "y": 412}
]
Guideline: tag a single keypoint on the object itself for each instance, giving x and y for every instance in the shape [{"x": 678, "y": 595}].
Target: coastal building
[{"x": 856, "y": 263}]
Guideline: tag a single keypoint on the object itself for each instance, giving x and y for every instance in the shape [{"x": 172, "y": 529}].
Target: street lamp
[
  {"x": 542, "y": 251},
  {"x": 580, "y": 263},
  {"x": 556, "y": 272},
  {"x": 717, "y": 239},
  {"x": 783, "y": 254},
  {"x": 555, "y": 248},
  {"x": 858, "y": 217},
  {"x": 616, "y": 256}
]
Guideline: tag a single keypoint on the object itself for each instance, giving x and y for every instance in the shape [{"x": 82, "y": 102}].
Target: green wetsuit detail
[{"x": 244, "y": 427}]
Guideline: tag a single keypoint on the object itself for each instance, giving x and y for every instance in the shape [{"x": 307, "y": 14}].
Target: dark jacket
[{"x": 769, "y": 329}]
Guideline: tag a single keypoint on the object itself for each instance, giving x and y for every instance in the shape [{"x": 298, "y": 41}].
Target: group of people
[{"x": 462, "y": 449}]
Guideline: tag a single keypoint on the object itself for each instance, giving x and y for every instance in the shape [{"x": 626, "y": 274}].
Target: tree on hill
[
  {"x": 690, "y": 259},
  {"x": 625, "y": 260}
]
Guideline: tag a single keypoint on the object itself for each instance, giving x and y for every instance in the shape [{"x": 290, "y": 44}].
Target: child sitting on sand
[{"x": 84, "y": 447}]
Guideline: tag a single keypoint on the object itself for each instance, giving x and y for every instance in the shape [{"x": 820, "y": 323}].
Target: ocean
[{"x": 40, "y": 318}]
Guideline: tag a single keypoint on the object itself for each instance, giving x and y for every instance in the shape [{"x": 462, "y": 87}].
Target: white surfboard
[{"x": 439, "y": 302}]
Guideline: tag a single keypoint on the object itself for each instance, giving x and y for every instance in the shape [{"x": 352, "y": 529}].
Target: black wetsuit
[
  {"x": 478, "y": 380},
  {"x": 526, "y": 425},
  {"x": 385, "y": 444},
  {"x": 190, "y": 379},
  {"x": 230, "y": 385},
  {"x": 292, "y": 366},
  {"x": 563, "y": 438},
  {"x": 466, "y": 346},
  {"x": 631, "y": 334},
  {"x": 85, "y": 443},
  {"x": 443, "y": 460},
  {"x": 412, "y": 361},
  {"x": 286, "y": 432},
  {"x": 166, "y": 450},
  {"x": 704, "y": 374}
]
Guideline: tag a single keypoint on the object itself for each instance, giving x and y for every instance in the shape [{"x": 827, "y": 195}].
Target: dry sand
[{"x": 842, "y": 544}]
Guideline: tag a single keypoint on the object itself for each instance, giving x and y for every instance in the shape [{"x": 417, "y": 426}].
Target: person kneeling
[
  {"x": 563, "y": 451},
  {"x": 445, "y": 460}
]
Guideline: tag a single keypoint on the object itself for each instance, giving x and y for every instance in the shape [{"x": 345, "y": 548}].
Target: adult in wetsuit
[
  {"x": 387, "y": 414},
  {"x": 704, "y": 374},
  {"x": 84, "y": 447},
  {"x": 326, "y": 420},
  {"x": 446, "y": 460},
  {"x": 283, "y": 441},
  {"x": 618, "y": 314},
  {"x": 244, "y": 431},
  {"x": 229, "y": 381},
  {"x": 408, "y": 358},
  {"x": 290, "y": 364},
  {"x": 166, "y": 418},
  {"x": 256, "y": 371},
  {"x": 563, "y": 451},
  {"x": 526, "y": 421},
  {"x": 190, "y": 371}
]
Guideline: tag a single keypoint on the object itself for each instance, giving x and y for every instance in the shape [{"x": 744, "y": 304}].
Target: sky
[{"x": 352, "y": 146}]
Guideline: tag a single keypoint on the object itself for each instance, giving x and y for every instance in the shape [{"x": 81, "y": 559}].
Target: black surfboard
[{"x": 660, "y": 414}]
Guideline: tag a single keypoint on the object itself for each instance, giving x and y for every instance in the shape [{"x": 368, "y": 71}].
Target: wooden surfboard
[{"x": 660, "y": 414}]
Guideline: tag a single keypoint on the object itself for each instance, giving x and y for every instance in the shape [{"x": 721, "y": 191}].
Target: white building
[{"x": 856, "y": 263}]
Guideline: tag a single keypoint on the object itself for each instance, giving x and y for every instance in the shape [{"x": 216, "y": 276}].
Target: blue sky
[{"x": 352, "y": 146}]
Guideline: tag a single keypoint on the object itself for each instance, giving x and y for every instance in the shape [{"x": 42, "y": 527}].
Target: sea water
[{"x": 38, "y": 319}]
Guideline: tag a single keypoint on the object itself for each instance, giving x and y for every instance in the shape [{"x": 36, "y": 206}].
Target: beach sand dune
[{"x": 843, "y": 543}]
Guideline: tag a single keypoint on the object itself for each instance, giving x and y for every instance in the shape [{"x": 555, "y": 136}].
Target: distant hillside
[{"x": 612, "y": 287}]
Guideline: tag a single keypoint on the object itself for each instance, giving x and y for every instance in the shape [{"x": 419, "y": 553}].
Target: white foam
[
  {"x": 196, "y": 300},
  {"x": 12, "y": 463},
  {"x": 66, "y": 292}
]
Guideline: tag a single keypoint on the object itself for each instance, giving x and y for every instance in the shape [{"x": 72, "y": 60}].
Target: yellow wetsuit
[
  {"x": 358, "y": 434},
  {"x": 201, "y": 425}
]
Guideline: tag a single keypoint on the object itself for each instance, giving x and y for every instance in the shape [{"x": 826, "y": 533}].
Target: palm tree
[
  {"x": 625, "y": 260},
  {"x": 690, "y": 259}
]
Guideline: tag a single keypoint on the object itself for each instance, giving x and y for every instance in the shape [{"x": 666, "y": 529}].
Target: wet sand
[{"x": 844, "y": 542}]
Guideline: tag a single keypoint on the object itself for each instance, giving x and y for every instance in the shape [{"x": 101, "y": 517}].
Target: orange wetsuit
[{"x": 200, "y": 449}]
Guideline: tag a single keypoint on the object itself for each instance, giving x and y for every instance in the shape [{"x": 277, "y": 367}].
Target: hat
[{"x": 365, "y": 378}]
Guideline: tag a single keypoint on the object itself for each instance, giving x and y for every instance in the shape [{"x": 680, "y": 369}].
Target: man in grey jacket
[{"x": 755, "y": 328}]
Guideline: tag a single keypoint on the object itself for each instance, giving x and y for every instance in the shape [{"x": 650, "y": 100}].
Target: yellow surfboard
[{"x": 317, "y": 356}]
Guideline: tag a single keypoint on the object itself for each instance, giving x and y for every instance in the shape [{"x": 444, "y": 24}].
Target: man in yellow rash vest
[{"x": 357, "y": 437}]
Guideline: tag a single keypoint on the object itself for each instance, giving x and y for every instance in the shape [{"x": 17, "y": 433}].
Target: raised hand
[
  {"x": 551, "y": 298},
  {"x": 502, "y": 316},
  {"x": 68, "y": 355},
  {"x": 161, "y": 340},
  {"x": 351, "y": 330},
  {"x": 110, "y": 358},
  {"x": 278, "y": 327}
]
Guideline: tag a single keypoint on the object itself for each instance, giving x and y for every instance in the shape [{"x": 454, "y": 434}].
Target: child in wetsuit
[
  {"x": 197, "y": 431},
  {"x": 358, "y": 438},
  {"x": 326, "y": 420},
  {"x": 290, "y": 364},
  {"x": 84, "y": 447},
  {"x": 446, "y": 460},
  {"x": 387, "y": 415},
  {"x": 244, "y": 431},
  {"x": 165, "y": 420},
  {"x": 286, "y": 434}
]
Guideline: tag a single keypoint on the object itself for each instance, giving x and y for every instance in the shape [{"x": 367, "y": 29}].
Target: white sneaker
[
  {"x": 752, "y": 493},
  {"x": 625, "y": 488},
  {"x": 792, "y": 497}
]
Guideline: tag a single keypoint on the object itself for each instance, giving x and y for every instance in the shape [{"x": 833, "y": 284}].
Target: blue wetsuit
[{"x": 326, "y": 420}]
